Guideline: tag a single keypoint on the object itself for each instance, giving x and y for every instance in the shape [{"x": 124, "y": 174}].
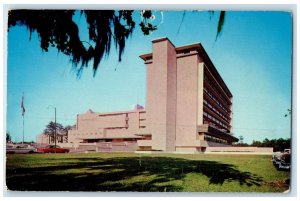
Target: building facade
[
  {"x": 125, "y": 126},
  {"x": 188, "y": 106}
]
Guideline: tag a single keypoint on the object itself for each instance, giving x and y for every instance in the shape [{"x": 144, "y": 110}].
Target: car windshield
[{"x": 53, "y": 146}]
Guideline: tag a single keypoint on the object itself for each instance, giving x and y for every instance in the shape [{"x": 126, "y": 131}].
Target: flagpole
[
  {"x": 23, "y": 131},
  {"x": 23, "y": 113}
]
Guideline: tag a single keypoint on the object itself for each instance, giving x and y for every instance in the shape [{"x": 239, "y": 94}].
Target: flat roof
[
  {"x": 202, "y": 53},
  {"x": 114, "y": 113},
  {"x": 116, "y": 137}
]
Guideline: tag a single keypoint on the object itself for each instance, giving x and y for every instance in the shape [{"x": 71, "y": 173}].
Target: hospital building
[{"x": 188, "y": 106}]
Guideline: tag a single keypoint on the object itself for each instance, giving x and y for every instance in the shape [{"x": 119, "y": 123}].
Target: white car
[{"x": 19, "y": 149}]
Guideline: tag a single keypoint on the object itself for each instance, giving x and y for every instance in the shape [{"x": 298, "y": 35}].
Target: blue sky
[{"x": 253, "y": 55}]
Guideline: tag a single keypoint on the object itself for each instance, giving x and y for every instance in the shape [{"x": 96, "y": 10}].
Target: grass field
[{"x": 144, "y": 173}]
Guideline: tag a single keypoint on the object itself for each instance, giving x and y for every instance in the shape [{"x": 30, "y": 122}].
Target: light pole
[{"x": 55, "y": 126}]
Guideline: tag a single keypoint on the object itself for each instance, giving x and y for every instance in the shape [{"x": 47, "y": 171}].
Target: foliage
[
  {"x": 51, "y": 127},
  {"x": 241, "y": 138},
  {"x": 8, "y": 137},
  {"x": 56, "y": 28},
  {"x": 278, "y": 144},
  {"x": 241, "y": 144},
  {"x": 220, "y": 22},
  {"x": 151, "y": 173},
  {"x": 67, "y": 128},
  {"x": 145, "y": 25}
]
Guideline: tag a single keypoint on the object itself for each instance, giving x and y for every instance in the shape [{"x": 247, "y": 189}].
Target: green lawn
[{"x": 143, "y": 172}]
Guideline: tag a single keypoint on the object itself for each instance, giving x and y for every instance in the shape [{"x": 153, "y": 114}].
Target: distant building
[
  {"x": 42, "y": 139},
  {"x": 109, "y": 127},
  {"x": 188, "y": 106},
  {"x": 61, "y": 136}
]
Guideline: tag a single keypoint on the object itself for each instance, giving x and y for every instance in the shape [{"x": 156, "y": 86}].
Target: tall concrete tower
[{"x": 161, "y": 95}]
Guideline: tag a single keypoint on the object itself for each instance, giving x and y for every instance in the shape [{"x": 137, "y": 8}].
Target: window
[{"x": 186, "y": 51}]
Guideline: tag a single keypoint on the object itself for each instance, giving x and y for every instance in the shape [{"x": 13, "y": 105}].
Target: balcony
[{"x": 209, "y": 130}]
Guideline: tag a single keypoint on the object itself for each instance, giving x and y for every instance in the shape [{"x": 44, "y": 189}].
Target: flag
[{"x": 22, "y": 106}]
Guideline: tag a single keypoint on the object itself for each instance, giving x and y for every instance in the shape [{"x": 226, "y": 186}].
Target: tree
[
  {"x": 50, "y": 130},
  {"x": 241, "y": 142},
  {"x": 241, "y": 138},
  {"x": 57, "y": 29},
  {"x": 256, "y": 143},
  {"x": 66, "y": 131},
  {"x": 8, "y": 137},
  {"x": 278, "y": 144},
  {"x": 67, "y": 128}
]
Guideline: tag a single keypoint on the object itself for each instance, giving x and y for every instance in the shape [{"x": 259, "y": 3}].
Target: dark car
[
  {"x": 52, "y": 149},
  {"x": 285, "y": 161},
  {"x": 282, "y": 160}
]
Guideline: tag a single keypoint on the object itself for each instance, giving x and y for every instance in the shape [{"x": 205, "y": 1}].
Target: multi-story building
[
  {"x": 109, "y": 127},
  {"x": 188, "y": 106}
]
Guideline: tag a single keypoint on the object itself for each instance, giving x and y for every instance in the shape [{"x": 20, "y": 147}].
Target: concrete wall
[
  {"x": 200, "y": 92},
  {"x": 187, "y": 149},
  {"x": 267, "y": 150},
  {"x": 42, "y": 139},
  {"x": 171, "y": 98},
  {"x": 161, "y": 95},
  {"x": 107, "y": 125},
  {"x": 187, "y": 96}
]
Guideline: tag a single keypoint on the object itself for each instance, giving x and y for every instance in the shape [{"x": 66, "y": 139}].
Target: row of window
[
  {"x": 212, "y": 85},
  {"x": 215, "y": 126},
  {"x": 214, "y": 139},
  {"x": 209, "y": 117},
  {"x": 216, "y": 111},
  {"x": 96, "y": 133},
  {"x": 216, "y": 101}
]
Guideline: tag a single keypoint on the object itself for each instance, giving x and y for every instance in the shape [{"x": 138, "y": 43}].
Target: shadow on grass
[{"x": 155, "y": 174}]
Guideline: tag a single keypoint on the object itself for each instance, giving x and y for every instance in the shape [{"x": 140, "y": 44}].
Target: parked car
[
  {"x": 52, "y": 149},
  {"x": 282, "y": 160},
  {"x": 285, "y": 162},
  {"x": 19, "y": 149}
]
